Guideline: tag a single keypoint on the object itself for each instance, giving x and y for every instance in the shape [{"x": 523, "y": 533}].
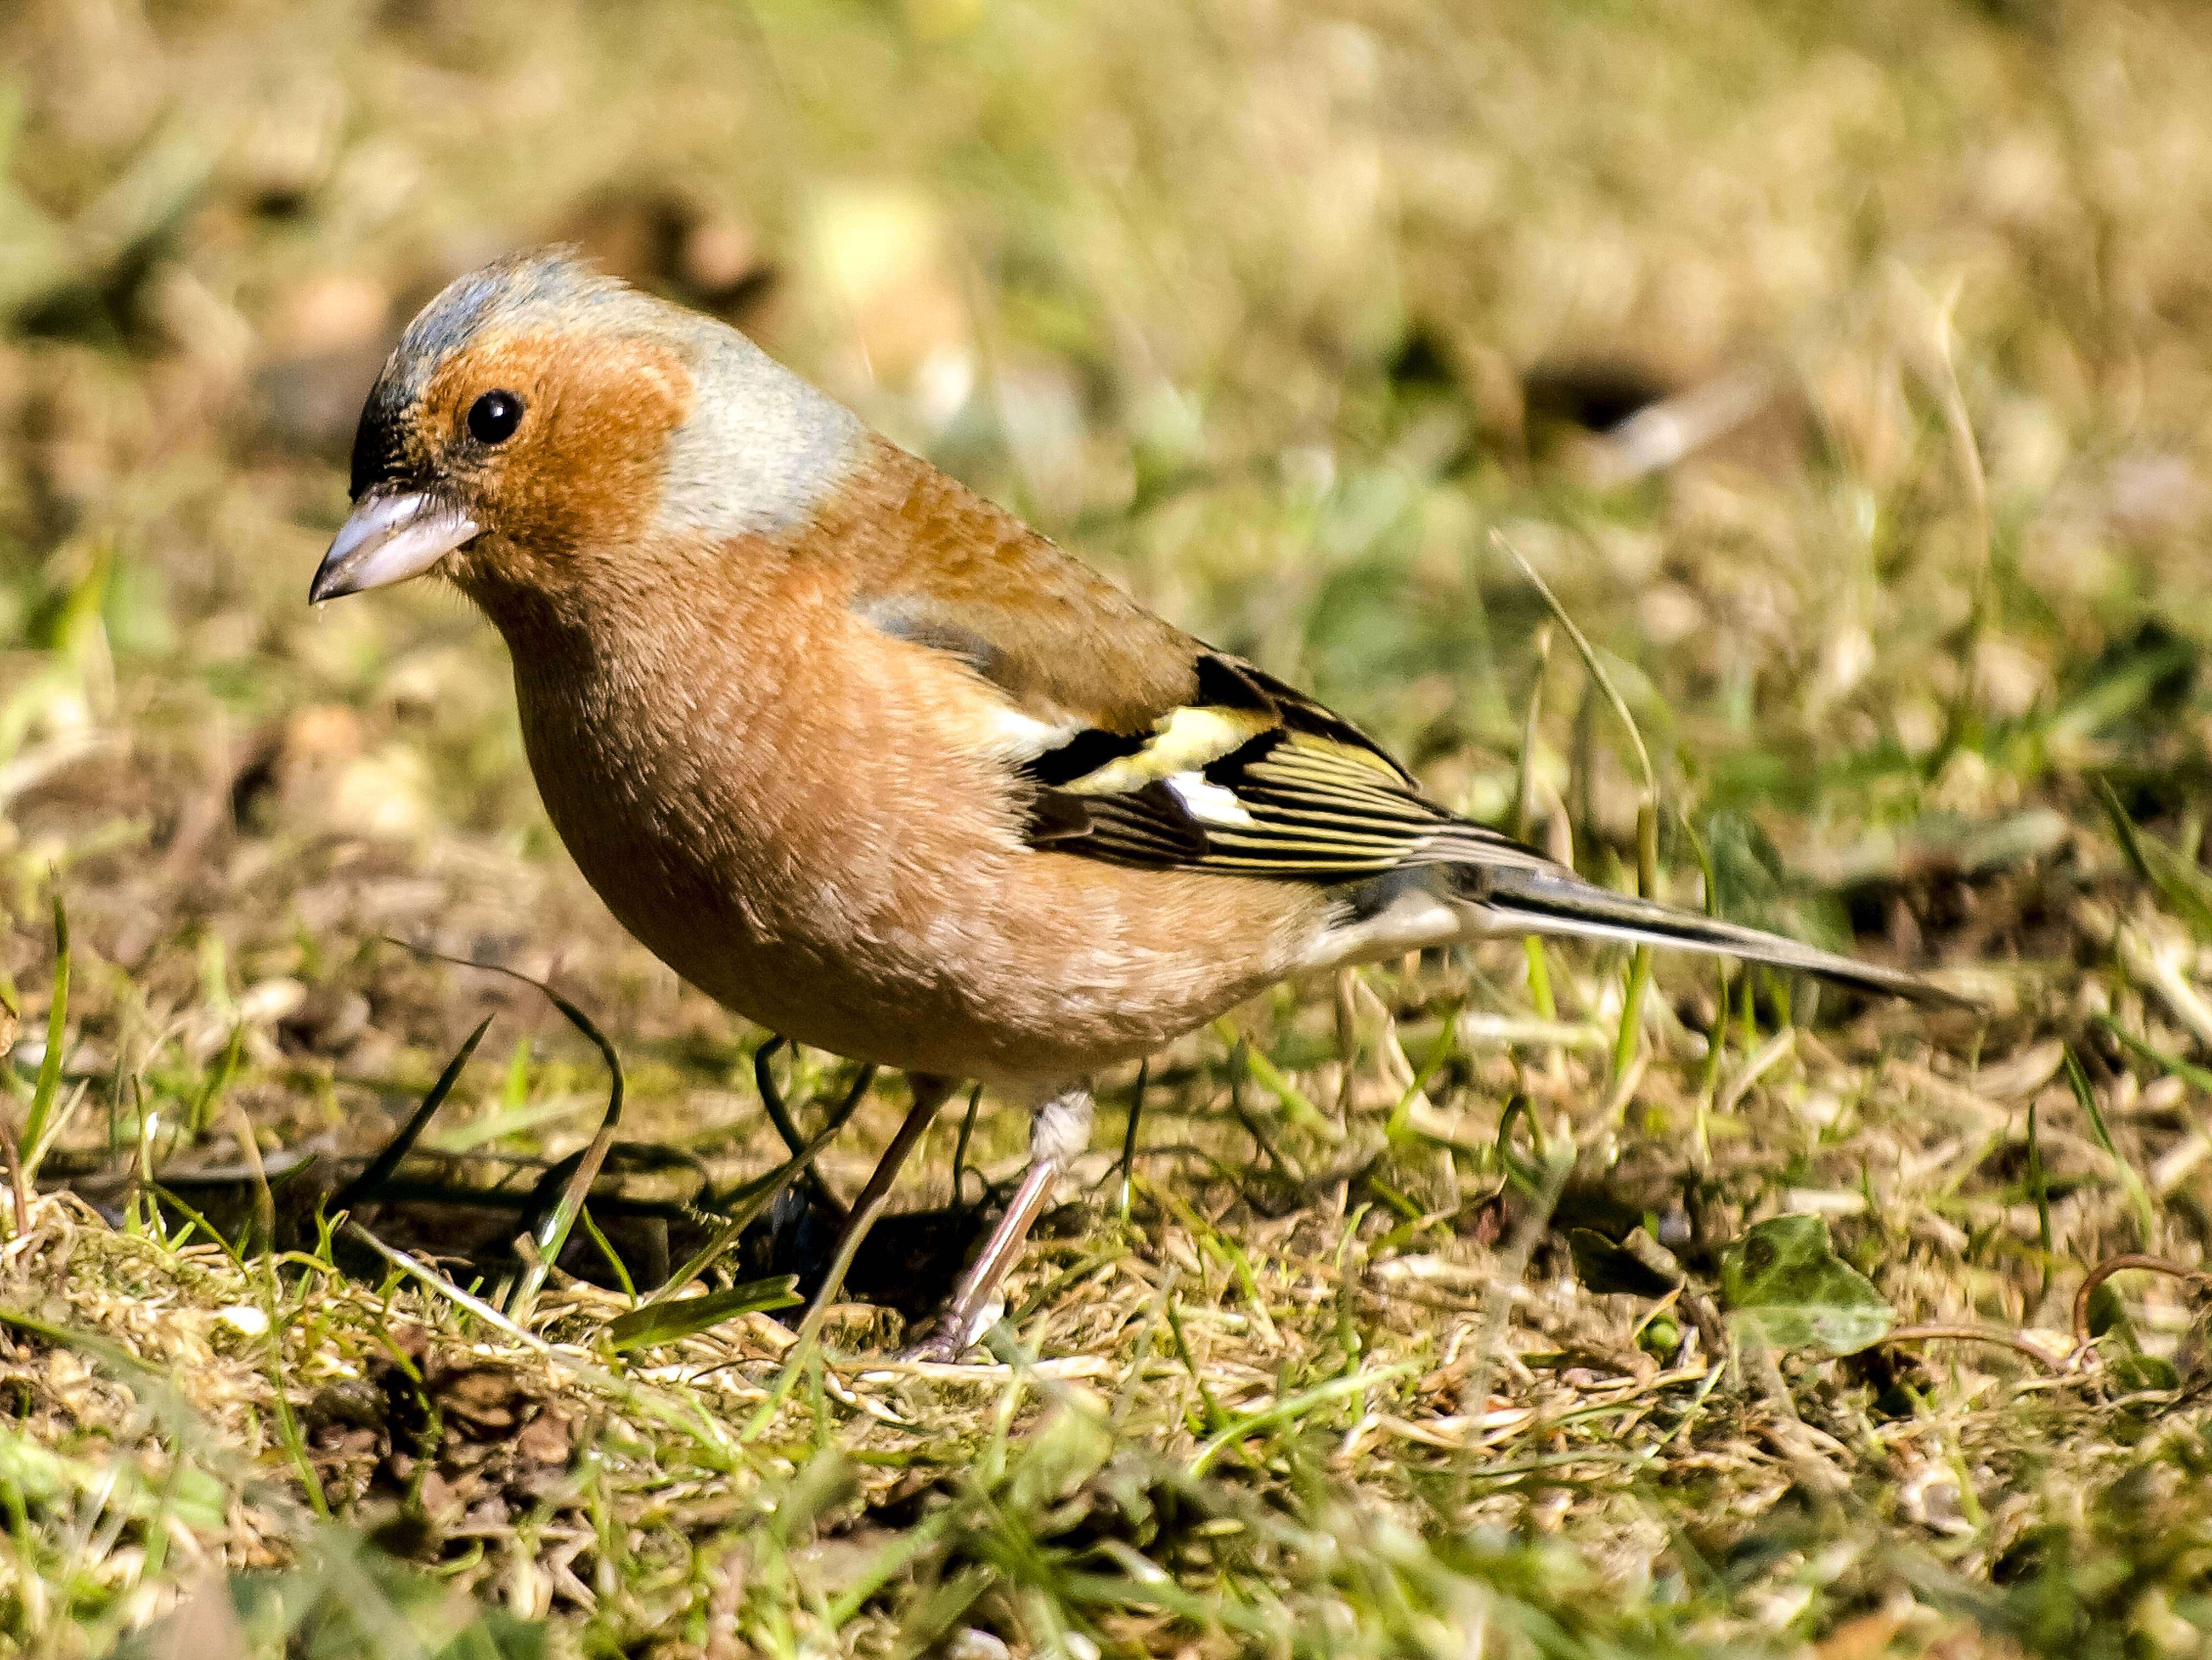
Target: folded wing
[{"x": 1164, "y": 752}]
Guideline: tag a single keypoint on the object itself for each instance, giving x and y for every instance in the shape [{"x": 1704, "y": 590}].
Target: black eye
[{"x": 494, "y": 417}]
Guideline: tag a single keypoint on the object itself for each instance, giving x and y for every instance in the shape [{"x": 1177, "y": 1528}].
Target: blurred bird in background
[{"x": 873, "y": 763}]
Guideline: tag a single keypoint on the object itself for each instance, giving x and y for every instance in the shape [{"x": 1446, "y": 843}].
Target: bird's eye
[{"x": 494, "y": 417}]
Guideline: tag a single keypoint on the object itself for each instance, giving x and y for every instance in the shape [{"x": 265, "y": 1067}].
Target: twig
[
  {"x": 2120, "y": 1264},
  {"x": 265, "y": 1202},
  {"x": 1938, "y": 1332}
]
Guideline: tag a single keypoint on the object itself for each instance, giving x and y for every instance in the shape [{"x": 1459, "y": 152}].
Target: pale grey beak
[{"x": 392, "y": 536}]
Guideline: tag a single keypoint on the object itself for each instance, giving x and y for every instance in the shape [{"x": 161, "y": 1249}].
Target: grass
[{"x": 1485, "y": 1303}]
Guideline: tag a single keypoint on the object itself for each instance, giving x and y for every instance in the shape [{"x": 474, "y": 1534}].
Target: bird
[{"x": 867, "y": 759}]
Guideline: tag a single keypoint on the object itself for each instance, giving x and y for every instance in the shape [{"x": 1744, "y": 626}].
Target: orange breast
[{"x": 802, "y": 817}]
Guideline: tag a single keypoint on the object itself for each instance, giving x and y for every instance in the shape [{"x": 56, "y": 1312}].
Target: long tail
[{"x": 1549, "y": 901}]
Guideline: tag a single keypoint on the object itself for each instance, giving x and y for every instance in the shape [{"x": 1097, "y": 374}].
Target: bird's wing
[
  {"x": 1168, "y": 752},
  {"x": 1128, "y": 741},
  {"x": 1138, "y": 743},
  {"x": 1247, "y": 776}
]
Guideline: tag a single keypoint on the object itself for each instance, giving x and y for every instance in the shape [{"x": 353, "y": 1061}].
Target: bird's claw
[
  {"x": 942, "y": 1347},
  {"x": 954, "y": 1335}
]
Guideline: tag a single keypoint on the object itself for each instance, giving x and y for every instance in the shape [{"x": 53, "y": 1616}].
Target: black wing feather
[{"x": 1253, "y": 778}]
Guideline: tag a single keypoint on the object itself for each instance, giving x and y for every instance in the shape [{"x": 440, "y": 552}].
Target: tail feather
[{"x": 1553, "y": 902}]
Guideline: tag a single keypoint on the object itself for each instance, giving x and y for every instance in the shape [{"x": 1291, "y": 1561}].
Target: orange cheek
[{"x": 586, "y": 470}]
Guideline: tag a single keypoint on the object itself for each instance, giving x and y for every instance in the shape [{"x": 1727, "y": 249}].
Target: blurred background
[{"x": 1843, "y": 370}]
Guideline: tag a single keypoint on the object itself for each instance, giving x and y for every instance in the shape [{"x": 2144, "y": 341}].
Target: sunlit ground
[{"x": 1442, "y": 1310}]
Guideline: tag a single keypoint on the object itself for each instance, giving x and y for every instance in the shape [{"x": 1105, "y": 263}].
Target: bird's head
[{"x": 539, "y": 422}]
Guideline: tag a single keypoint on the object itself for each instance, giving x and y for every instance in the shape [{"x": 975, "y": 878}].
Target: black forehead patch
[
  {"x": 542, "y": 286},
  {"x": 551, "y": 281},
  {"x": 380, "y": 443}
]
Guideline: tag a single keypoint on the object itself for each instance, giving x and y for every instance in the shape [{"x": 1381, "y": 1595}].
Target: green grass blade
[
  {"x": 685, "y": 1317},
  {"x": 47, "y": 1090},
  {"x": 2138, "y": 1195}
]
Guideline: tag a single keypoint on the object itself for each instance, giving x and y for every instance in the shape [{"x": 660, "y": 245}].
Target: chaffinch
[{"x": 871, "y": 763}]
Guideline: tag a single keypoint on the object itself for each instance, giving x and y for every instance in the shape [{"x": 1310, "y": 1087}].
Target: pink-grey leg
[{"x": 1059, "y": 1130}]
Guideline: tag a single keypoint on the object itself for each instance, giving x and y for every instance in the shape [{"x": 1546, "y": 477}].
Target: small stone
[
  {"x": 245, "y": 1319},
  {"x": 544, "y": 1439}
]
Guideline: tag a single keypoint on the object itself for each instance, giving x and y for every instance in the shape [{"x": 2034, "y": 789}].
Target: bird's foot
[
  {"x": 954, "y": 1335},
  {"x": 940, "y": 1348}
]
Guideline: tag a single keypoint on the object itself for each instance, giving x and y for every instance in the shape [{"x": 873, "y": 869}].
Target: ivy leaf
[{"x": 1783, "y": 1282}]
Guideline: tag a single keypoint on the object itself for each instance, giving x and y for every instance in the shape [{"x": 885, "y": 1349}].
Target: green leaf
[
  {"x": 667, "y": 1322},
  {"x": 1783, "y": 1282},
  {"x": 2143, "y": 1372},
  {"x": 379, "y": 1169},
  {"x": 2183, "y": 889},
  {"x": 1746, "y": 876},
  {"x": 2194, "y": 1076},
  {"x": 495, "y": 1634},
  {"x": 37, "y": 1475},
  {"x": 1070, "y": 1447}
]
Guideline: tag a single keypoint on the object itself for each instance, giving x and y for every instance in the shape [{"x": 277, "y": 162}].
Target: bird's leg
[
  {"x": 929, "y": 1094},
  {"x": 1060, "y": 1130}
]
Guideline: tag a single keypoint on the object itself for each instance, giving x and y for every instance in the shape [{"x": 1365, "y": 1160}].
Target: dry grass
[{"x": 1276, "y": 311}]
